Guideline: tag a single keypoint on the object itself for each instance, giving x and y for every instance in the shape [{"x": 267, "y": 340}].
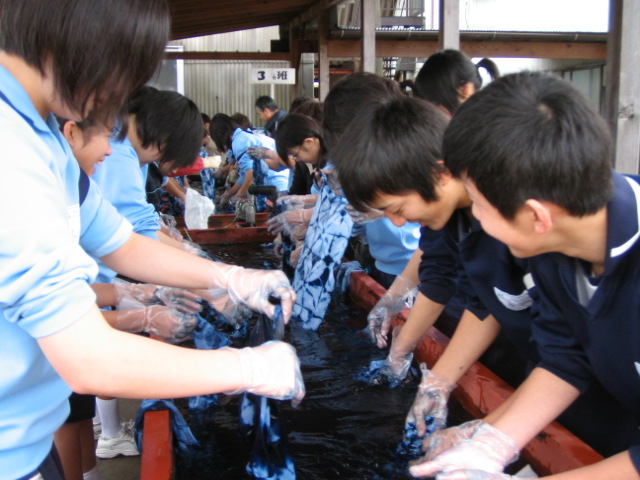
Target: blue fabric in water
[
  {"x": 377, "y": 373},
  {"x": 343, "y": 279},
  {"x": 324, "y": 246},
  {"x": 270, "y": 457},
  {"x": 410, "y": 448},
  {"x": 184, "y": 439}
]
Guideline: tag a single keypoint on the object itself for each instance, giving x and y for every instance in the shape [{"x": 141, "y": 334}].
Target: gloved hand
[
  {"x": 391, "y": 303},
  {"x": 475, "y": 475},
  {"x": 295, "y": 202},
  {"x": 488, "y": 449},
  {"x": 291, "y": 222},
  {"x": 397, "y": 364},
  {"x": 136, "y": 295},
  {"x": 167, "y": 323},
  {"x": 261, "y": 152},
  {"x": 431, "y": 400},
  {"x": 364, "y": 217},
  {"x": 252, "y": 288},
  {"x": 444, "y": 439},
  {"x": 270, "y": 370}
]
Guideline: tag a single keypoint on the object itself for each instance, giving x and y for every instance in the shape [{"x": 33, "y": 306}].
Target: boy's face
[
  {"x": 411, "y": 207},
  {"x": 518, "y": 234},
  {"x": 94, "y": 151}
]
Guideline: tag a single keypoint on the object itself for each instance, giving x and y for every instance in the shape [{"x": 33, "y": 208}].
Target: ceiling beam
[
  {"x": 229, "y": 56},
  {"x": 313, "y": 12}
]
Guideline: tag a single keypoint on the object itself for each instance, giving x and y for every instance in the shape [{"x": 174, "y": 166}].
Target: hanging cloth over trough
[{"x": 270, "y": 457}]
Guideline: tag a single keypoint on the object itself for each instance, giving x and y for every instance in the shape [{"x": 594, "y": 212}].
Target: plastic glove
[
  {"x": 165, "y": 322},
  {"x": 442, "y": 440},
  {"x": 290, "y": 222},
  {"x": 475, "y": 475},
  {"x": 391, "y": 303},
  {"x": 253, "y": 288},
  {"x": 364, "y": 217},
  {"x": 295, "y": 202},
  {"x": 270, "y": 370},
  {"x": 136, "y": 295},
  {"x": 488, "y": 449},
  {"x": 261, "y": 152},
  {"x": 431, "y": 400},
  {"x": 397, "y": 364}
]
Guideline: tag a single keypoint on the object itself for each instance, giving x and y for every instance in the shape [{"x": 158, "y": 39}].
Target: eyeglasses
[{"x": 294, "y": 156}]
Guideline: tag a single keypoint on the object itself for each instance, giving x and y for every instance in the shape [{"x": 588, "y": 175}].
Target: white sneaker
[{"x": 122, "y": 444}]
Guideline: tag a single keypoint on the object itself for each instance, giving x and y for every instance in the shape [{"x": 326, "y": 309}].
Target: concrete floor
[{"x": 122, "y": 468}]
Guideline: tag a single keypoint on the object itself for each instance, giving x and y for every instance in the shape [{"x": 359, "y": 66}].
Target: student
[
  {"x": 268, "y": 111},
  {"x": 228, "y": 136},
  {"x": 457, "y": 255},
  {"x": 53, "y": 336},
  {"x": 535, "y": 158}
]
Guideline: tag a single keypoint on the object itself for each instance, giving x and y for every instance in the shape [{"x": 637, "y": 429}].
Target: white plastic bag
[{"x": 197, "y": 209}]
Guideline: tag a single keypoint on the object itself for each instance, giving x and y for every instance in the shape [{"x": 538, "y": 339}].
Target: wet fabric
[
  {"x": 270, "y": 457},
  {"x": 410, "y": 448},
  {"x": 343, "y": 279},
  {"x": 325, "y": 243},
  {"x": 378, "y": 373},
  {"x": 182, "y": 435}
]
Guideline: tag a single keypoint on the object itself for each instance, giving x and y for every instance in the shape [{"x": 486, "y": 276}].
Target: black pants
[{"x": 50, "y": 468}]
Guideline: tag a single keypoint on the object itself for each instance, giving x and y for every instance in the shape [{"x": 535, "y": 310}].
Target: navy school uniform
[
  {"x": 600, "y": 340},
  {"x": 492, "y": 281}
]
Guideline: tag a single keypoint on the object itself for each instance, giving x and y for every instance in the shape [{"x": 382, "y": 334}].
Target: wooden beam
[
  {"x": 496, "y": 49},
  {"x": 314, "y": 12},
  {"x": 323, "y": 54},
  {"x": 449, "y": 24},
  {"x": 260, "y": 56}
]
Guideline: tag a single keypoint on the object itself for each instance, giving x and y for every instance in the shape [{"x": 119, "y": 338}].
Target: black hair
[
  {"x": 170, "y": 121},
  {"x": 444, "y": 72},
  {"x": 101, "y": 51},
  {"x": 532, "y": 135},
  {"x": 299, "y": 100},
  {"x": 293, "y": 130},
  {"x": 393, "y": 148},
  {"x": 222, "y": 128},
  {"x": 348, "y": 96},
  {"x": 205, "y": 118},
  {"x": 265, "y": 102},
  {"x": 242, "y": 121},
  {"x": 312, "y": 108}
]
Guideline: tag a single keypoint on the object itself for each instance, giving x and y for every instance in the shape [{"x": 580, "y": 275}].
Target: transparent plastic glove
[
  {"x": 488, "y": 449},
  {"x": 169, "y": 227},
  {"x": 295, "y": 253},
  {"x": 167, "y": 323},
  {"x": 253, "y": 288},
  {"x": 294, "y": 202},
  {"x": 391, "y": 303},
  {"x": 397, "y": 364},
  {"x": 270, "y": 370},
  {"x": 290, "y": 221},
  {"x": 444, "y": 439},
  {"x": 431, "y": 400},
  {"x": 261, "y": 152},
  {"x": 136, "y": 295},
  {"x": 364, "y": 217},
  {"x": 475, "y": 475}
]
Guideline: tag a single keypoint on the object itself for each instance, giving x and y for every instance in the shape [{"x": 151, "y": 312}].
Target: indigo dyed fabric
[
  {"x": 270, "y": 458},
  {"x": 324, "y": 247},
  {"x": 410, "y": 448},
  {"x": 208, "y": 183},
  {"x": 182, "y": 435}
]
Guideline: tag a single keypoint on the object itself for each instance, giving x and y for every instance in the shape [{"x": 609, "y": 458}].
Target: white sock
[
  {"x": 109, "y": 416},
  {"x": 92, "y": 474}
]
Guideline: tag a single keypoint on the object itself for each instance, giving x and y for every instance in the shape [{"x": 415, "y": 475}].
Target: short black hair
[
  {"x": 242, "y": 121},
  {"x": 532, "y": 135},
  {"x": 293, "y": 130},
  {"x": 393, "y": 148},
  {"x": 170, "y": 121},
  {"x": 205, "y": 118},
  {"x": 445, "y": 72},
  {"x": 348, "y": 96},
  {"x": 222, "y": 128},
  {"x": 104, "y": 50},
  {"x": 265, "y": 102}
]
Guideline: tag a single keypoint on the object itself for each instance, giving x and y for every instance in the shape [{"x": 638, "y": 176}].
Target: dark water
[{"x": 343, "y": 429}]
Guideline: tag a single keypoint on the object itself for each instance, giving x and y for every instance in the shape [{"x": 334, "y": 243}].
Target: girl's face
[
  {"x": 307, "y": 152},
  {"x": 89, "y": 151}
]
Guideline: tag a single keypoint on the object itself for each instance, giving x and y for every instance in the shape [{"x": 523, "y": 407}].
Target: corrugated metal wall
[{"x": 223, "y": 86}]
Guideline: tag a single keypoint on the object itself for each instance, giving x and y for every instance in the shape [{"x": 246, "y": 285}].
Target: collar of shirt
[{"x": 623, "y": 219}]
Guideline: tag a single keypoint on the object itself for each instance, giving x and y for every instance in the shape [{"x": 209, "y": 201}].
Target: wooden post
[
  {"x": 323, "y": 54},
  {"x": 623, "y": 84},
  {"x": 368, "y": 29},
  {"x": 449, "y": 24}
]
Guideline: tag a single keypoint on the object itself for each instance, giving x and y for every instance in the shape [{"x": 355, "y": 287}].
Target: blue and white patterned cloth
[{"x": 324, "y": 246}]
